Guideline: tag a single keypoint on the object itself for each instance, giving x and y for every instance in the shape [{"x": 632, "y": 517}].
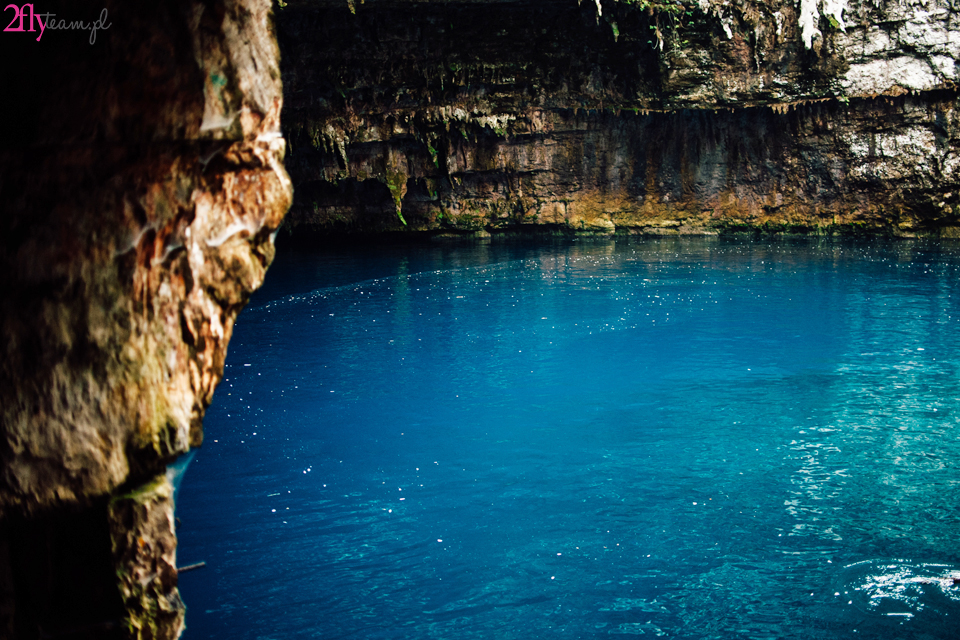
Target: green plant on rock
[
  {"x": 675, "y": 14},
  {"x": 432, "y": 187},
  {"x": 669, "y": 8},
  {"x": 397, "y": 184}
]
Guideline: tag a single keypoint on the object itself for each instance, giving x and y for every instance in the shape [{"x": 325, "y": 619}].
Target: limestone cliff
[
  {"x": 640, "y": 117},
  {"x": 141, "y": 185}
]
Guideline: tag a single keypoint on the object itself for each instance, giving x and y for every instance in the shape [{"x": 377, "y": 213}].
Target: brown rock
[{"x": 141, "y": 186}]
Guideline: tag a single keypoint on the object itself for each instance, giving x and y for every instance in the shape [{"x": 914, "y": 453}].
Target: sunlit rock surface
[
  {"x": 141, "y": 185},
  {"x": 818, "y": 116}
]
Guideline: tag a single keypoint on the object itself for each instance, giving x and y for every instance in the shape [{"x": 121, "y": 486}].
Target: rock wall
[
  {"x": 141, "y": 187},
  {"x": 818, "y": 116}
]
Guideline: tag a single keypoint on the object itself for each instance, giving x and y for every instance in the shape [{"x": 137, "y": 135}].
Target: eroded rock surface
[
  {"x": 141, "y": 185},
  {"x": 144, "y": 545},
  {"x": 650, "y": 117}
]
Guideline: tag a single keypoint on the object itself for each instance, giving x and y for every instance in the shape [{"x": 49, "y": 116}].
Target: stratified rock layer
[
  {"x": 642, "y": 118},
  {"x": 141, "y": 185}
]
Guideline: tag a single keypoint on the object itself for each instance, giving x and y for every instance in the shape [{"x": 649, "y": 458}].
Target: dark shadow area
[{"x": 42, "y": 562}]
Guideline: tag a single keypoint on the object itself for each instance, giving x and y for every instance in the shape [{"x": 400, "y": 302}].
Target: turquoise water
[{"x": 687, "y": 439}]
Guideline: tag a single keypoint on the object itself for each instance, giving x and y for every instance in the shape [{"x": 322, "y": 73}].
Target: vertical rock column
[
  {"x": 141, "y": 185},
  {"x": 144, "y": 543}
]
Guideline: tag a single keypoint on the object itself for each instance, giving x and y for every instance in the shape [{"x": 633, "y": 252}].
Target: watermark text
[{"x": 25, "y": 14}]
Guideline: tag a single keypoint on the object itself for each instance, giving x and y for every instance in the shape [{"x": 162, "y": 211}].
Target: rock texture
[
  {"x": 817, "y": 116},
  {"x": 141, "y": 186},
  {"x": 144, "y": 544}
]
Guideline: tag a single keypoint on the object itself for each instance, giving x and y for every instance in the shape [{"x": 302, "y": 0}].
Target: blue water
[{"x": 687, "y": 439}]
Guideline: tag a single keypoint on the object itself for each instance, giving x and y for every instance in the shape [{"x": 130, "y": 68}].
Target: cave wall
[
  {"x": 612, "y": 117},
  {"x": 141, "y": 186}
]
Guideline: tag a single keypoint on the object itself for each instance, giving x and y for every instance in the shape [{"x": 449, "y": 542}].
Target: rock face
[
  {"x": 141, "y": 186},
  {"x": 817, "y": 116}
]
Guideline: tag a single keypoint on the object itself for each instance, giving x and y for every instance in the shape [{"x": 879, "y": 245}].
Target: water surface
[{"x": 689, "y": 439}]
